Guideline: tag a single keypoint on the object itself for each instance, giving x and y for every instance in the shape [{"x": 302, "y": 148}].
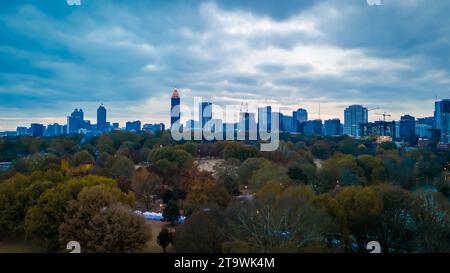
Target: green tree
[
  {"x": 362, "y": 207},
  {"x": 82, "y": 157},
  {"x": 42, "y": 221},
  {"x": 101, "y": 220},
  {"x": 171, "y": 212},
  {"x": 165, "y": 238},
  {"x": 146, "y": 184}
]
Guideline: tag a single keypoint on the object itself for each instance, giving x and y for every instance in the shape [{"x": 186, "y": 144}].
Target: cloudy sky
[{"x": 129, "y": 55}]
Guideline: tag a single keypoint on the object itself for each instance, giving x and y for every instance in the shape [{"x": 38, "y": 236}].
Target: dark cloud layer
[{"x": 130, "y": 54}]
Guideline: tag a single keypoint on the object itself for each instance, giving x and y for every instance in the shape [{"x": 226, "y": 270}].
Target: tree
[
  {"x": 203, "y": 232},
  {"x": 81, "y": 158},
  {"x": 227, "y": 173},
  {"x": 165, "y": 238},
  {"x": 394, "y": 231},
  {"x": 42, "y": 220},
  {"x": 373, "y": 168},
  {"x": 101, "y": 220},
  {"x": 269, "y": 172},
  {"x": 431, "y": 222},
  {"x": 171, "y": 212},
  {"x": 120, "y": 167},
  {"x": 277, "y": 223},
  {"x": 145, "y": 184},
  {"x": 362, "y": 207}
]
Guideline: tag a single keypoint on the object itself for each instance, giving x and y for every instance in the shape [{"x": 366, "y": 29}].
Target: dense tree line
[{"x": 312, "y": 194}]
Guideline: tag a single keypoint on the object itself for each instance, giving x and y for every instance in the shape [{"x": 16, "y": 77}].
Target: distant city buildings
[
  {"x": 153, "y": 127},
  {"x": 36, "y": 129},
  {"x": 379, "y": 128},
  {"x": 442, "y": 119},
  {"x": 407, "y": 130},
  {"x": 332, "y": 127},
  {"x": 133, "y": 126},
  {"x": 298, "y": 116},
  {"x": 354, "y": 116}
]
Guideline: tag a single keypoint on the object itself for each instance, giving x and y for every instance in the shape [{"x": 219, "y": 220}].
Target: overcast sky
[{"x": 130, "y": 54}]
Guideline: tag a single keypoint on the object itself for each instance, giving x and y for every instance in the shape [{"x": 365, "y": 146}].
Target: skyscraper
[
  {"x": 205, "y": 113},
  {"x": 299, "y": 116},
  {"x": 75, "y": 121},
  {"x": 407, "y": 128},
  {"x": 101, "y": 119},
  {"x": 175, "y": 114},
  {"x": 354, "y": 116},
  {"x": 442, "y": 119},
  {"x": 265, "y": 118}
]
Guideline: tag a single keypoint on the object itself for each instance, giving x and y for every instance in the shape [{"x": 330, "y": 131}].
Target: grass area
[
  {"x": 15, "y": 245},
  {"x": 152, "y": 245},
  {"x": 19, "y": 245}
]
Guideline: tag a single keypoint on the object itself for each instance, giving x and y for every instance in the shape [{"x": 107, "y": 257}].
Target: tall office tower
[
  {"x": 102, "y": 125},
  {"x": 36, "y": 129},
  {"x": 299, "y": 116},
  {"x": 265, "y": 118},
  {"x": 442, "y": 119},
  {"x": 205, "y": 113},
  {"x": 407, "y": 128},
  {"x": 354, "y": 116},
  {"x": 175, "y": 113},
  {"x": 332, "y": 127},
  {"x": 75, "y": 121}
]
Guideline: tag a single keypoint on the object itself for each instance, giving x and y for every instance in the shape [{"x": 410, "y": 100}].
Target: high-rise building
[
  {"x": 37, "y": 129},
  {"x": 54, "y": 130},
  {"x": 22, "y": 131},
  {"x": 332, "y": 127},
  {"x": 442, "y": 119},
  {"x": 428, "y": 121},
  {"x": 75, "y": 121},
  {"x": 265, "y": 118},
  {"x": 312, "y": 127},
  {"x": 175, "y": 114},
  {"x": 407, "y": 128},
  {"x": 299, "y": 116},
  {"x": 379, "y": 128},
  {"x": 102, "y": 125},
  {"x": 354, "y": 116},
  {"x": 205, "y": 113},
  {"x": 133, "y": 126},
  {"x": 286, "y": 124},
  {"x": 423, "y": 131}
]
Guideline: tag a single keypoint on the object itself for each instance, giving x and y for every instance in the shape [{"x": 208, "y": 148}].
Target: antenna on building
[{"x": 319, "y": 112}]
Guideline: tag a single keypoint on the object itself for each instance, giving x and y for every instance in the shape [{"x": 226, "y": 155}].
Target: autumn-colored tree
[
  {"x": 362, "y": 207},
  {"x": 101, "y": 220},
  {"x": 146, "y": 184}
]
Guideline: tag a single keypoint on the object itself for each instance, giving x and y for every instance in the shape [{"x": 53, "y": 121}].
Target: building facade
[{"x": 354, "y": 116}]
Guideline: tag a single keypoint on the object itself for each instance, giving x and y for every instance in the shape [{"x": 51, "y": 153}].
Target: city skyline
[{"x": 226, "y": 50}]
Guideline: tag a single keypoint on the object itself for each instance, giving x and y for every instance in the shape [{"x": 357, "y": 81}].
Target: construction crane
[
  {"x": 384, "y": 115},
  {"x": 376, "y": 108}
]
